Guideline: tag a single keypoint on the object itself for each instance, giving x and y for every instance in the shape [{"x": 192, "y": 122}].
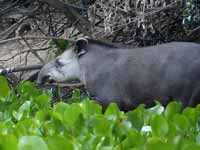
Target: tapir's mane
[{"x": 103, "y": 43}]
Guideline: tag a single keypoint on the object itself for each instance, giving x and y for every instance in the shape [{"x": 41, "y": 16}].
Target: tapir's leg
[{"x": 195, "y": 99}]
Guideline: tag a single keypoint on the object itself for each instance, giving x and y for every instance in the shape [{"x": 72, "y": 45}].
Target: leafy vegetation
[
  {"x": 28, "y": 121},
  {"x": 191, "y": 14}
]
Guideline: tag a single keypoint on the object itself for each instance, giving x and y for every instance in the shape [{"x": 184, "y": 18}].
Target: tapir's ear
[{"x": 81, "y": 45}]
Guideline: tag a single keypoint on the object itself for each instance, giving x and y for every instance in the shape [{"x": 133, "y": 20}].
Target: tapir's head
[{"x": 66, "y": 66}]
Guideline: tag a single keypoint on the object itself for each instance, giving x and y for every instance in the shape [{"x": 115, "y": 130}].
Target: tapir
[{"x": 130, "y": 76}]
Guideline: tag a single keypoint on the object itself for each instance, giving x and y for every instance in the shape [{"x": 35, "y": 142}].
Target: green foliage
[
  {"x": 28, "y": 121},
  {"x": 191, "y": 14},
  {"x": 4, "y": 88},
  {"x": 60, "y": 44}
]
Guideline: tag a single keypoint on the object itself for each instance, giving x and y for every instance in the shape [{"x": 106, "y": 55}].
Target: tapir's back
[{"x": 132, "y": 76}]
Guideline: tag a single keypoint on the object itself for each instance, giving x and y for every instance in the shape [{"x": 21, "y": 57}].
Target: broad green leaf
[
  {"x": 172, "y": 109},
  {"x": 8, "y": 142},
  {"x": 89, "y": 141},
  {"x": 191, "y": 146},
  {"x": 151, "y": 112},
  {"x": 172, "y": 129},
  {"x": 113, "y": 111},
  {"x": 90, "y": 107},
  {"x": 43, "y": 102},
  {"x": 3, "y": 128},
  {"x": 4, "y": 88},
  {"x": 58, "y": 142},
  {"x": 198, "y": 138},
  {"x": 43, "y": 115},
  {"x": 32, "y": 143},
  {"x": 121, "y": 127},
  {"x": 72, "y": 114},
  {"x": 26, "y": 127},
  {"x": 60, "y": 108},
  {"x": 17, "y": 115},
  {"x": 156, "y": 110},
  {"x": 27, "y": 90},
  {"x": 136, "y": 117},
  {"x": 76, "y": 94},
  {"x": 101, "y": 125},
  {"x": 159, "y": 126},
  {"x": 158, "y": 144},
  {"x": 23, "y": 110},
  {"x": 181, "y": 123},
  {"x": 58, "y": 115},
  {"x": 191, "y": 114},
  {"x": 133, "y": 139}
]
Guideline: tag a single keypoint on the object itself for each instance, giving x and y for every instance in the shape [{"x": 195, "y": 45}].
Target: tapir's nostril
[{"x": 46, "y": 78}]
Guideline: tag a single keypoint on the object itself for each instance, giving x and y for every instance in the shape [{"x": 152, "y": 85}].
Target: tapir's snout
[
  {"x": 44, "y": 76},
  {"x": 44, "y": 79}
]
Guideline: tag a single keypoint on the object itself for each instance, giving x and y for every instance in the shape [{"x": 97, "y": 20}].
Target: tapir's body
[{"x": 132, "y": 76}]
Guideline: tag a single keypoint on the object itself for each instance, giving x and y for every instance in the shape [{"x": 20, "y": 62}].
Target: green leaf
[
  {"x": 198, "y": 138},
  {"x": 26, "y": 127},
  {"x": 191, "y": 146},
  {"x": 151, "y": 112},
  {"x": 4, "y": 87},
  {"x": 121, "y": 127},
  {"x": 8, "y": 142},
  {"x": 58, "y": 142},
  {"x": 136, "y": 117},
  {"x": 60, "y": 107},
  {"x": 172, "y": 109},
  {"x": 76, "y": 94},
  {"x": 192, "y": 114},
  {"x": 159, "y": 126},
  {"x": 23, "y": 110},
  {"x": 158, "y": 144},
  {"x": 27, "y": 90},
  {"x": 90, "y": 107},
  {"x": 3, "y": 128},
  {"x": 60, "y": 44},
  {"x": 133, "y": 139},
  {"x": 32, "y": 143},
  {"x": 43, "y": 115},
  {"x": 17, "y": 115},
  {"x": 43, "y": 102},
  {"x": 59, "y": 110},
  {"x": 72, "y": 114},
  {"x": 181, "y": 123},
  {"x": 113, "y": 111},
  {"x": 101, "y": 125}
]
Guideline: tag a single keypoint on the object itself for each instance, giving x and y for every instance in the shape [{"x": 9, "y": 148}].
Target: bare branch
[
  {"x": 22, "y": 52},
  {"x": 19, "y": 69},
  {"x": 62, "y": 85},
  {"x": 34, "y": 38},
  {"x": 83, "y": 25},
  {"x": 34, "y": 52},
  {"x": 11, "y": 29}
]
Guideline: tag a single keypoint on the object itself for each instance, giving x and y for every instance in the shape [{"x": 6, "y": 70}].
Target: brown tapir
[{"x": 129, "y": 77}]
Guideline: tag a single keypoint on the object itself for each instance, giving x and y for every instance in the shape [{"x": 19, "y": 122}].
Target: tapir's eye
[{"x": 59, "y": 62}]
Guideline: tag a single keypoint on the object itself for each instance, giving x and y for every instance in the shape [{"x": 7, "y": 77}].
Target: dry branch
[
  {"x": 83, "y": 24},
  {"x": 34, "y": 38},
  {"x": 19, "y": 69}
]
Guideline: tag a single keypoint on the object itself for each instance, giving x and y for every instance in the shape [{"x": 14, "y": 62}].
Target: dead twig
[
  {"x": 19, "y": 69},
  {"x": 193, "y": 31},
  {"x": 22, "y": 52},
  {"x": 34, "y": 38},
  {"x": 72, "y": 14},
  {"x": 34, "y": 52},
  {"x": 62, "y": 85},
  {"x": 11, "y": 29}
]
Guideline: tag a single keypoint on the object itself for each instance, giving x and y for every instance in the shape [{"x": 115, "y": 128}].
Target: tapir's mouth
[{"x": 47, "y": 79}]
